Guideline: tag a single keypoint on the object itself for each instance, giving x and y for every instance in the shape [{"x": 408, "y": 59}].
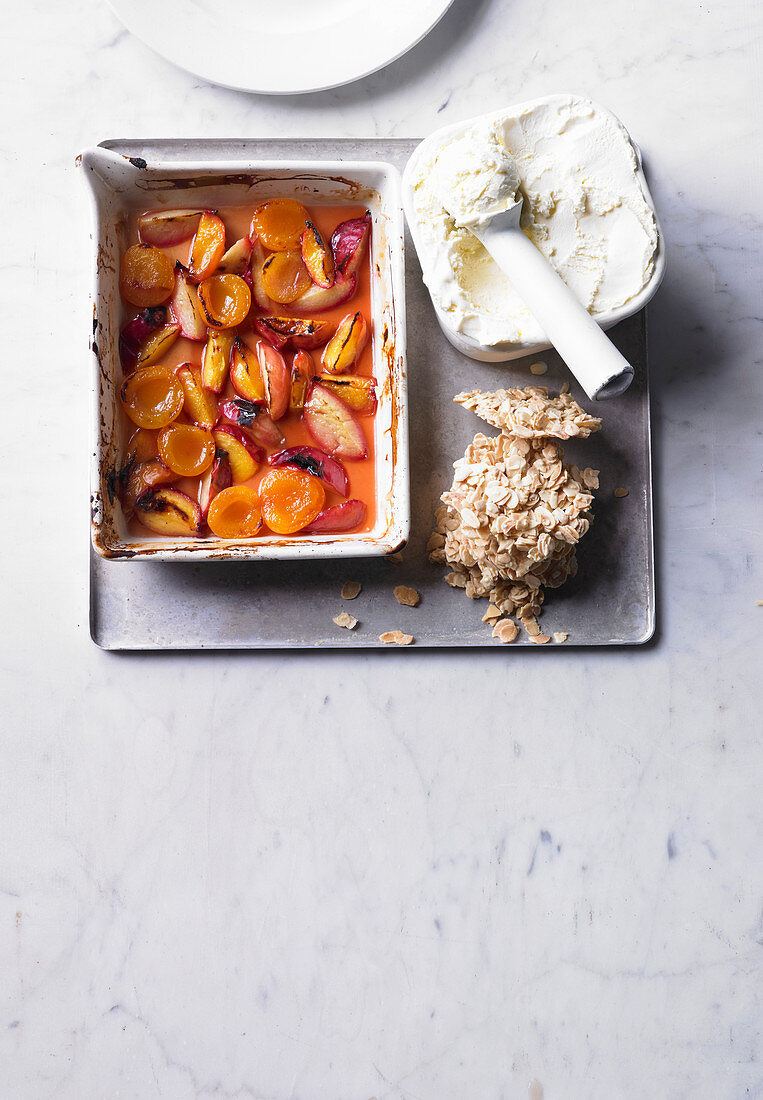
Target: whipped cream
[
  {"x": 474, "y": 175},
  {"x": 573, "y": 165}
]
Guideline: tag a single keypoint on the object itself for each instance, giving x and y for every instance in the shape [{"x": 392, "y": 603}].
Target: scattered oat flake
[
  {"x": 621, "y": 493},
  {"x": 408, "y": 597},
  {"x": 560, "y": 635},
  {"x": 492, "y": 613},
  {"x": 565, "y": 388},
  {"x": 538, "y": 368},
  {"x": 540, "y": 639},
  {"x": 759, "y": 603},
  {"x": 505, "y": 630},
  {"x": 395, "y": 637},
  {"x": 346, "y": 620},
  {"x": 351, "y": 589}
]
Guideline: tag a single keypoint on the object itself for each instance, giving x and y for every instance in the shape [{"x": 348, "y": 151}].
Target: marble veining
[{"x": 403, "y": 876}]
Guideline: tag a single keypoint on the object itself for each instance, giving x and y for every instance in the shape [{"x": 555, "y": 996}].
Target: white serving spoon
[{"x": 596, "y": 363}]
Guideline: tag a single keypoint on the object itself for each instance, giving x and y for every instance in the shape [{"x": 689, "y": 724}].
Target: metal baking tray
[{"x": 290, "y": 605}]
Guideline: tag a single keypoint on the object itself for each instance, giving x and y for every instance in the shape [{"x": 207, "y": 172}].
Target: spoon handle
[{"x": 596, "y": 363}]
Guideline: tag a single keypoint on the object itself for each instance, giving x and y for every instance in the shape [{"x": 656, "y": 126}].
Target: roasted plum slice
[
  {"x": 146, "y": 276},
  {"x": 159, "y": 342},
  {"x": 208, "y": 247},
  {"x": 290, "y": 499},
  {"x": 314, "y": 462},
  {"x": 333, "y": 426},
  {"x": 261, "y": 297},
  {"x": 214, "y": 480},
  {"x": 318, "y": 300},
  {"x": 340, "y": 517},
  {"x": 302, "y": 373},
  {"x": 237, "y": 259},
  {"x": 215, "y": 360},
  {"x": 136, "y": 332},
  {"x": 343, "y": 349},
  {"x": 318, "y": 259},
  {"x": 186, "y": 449},
  {"x": 356, "y": 390},
  {"x": 152, "y": 397},
  {"x": 244, "y": 455},
  {"x": 200, "y": 404},
  {"x": 235, "y": 513},
  {"x": 138, "y": 477},
  {"x": 276, "y": 379},
  {"x": 185, "y": 308},
  {"x": 245, "y": 373},
  {"x": 293, "y": 332},
  {"x": 225, "y": 300},
  {"x": 279, "y": 224},
  {"x": 166, "y": 228},
  {"x": 251, "y": 415},
  {"x": 349, "y": 243},
  {"x": 169, "y": 512},
  {"x": 285, "y": 277}
]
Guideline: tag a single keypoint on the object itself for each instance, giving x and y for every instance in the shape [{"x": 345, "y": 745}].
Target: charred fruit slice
[
  {"x": 344, "y": 348},
  {"x": 186, "y": 449},
  {"x": 276, "y": 379},
  {"x": 251, "y": 415},
  {"x": 245, "y": 373},
  {"x": 333, "y": 426},
  {"x": 136, "y": 332},
  {"x": 236, "y": 260},
  {"x": 290, "y": 500},
  {"x": 279, "y": 223},
  {"x": 302, "y": 373},
  {"x": 146, "y": 276},
  {"x": 154, "y": 347},
  {"x": 152, "y": 397},
  {"x": 356, "y": 390},
  {"x": 293, "y": 332},
  {"x": 168, "y": 227},
  {"x": 225, "y": 300},
  {"x": 319, "y": 260},
  {"x": 235, "y": 513},
  {"x": 142, "y": 476},
  {"x": 349, "y": 243},
  {"x": 258, "y": 289},
  {"x": 214, "y": 480},
  {"x": 184, "y": 306},
  {"x": 200, "y": 404},
  {"x": 340, "y": 517},
  {"x": 285, "y": 277},
  {"x": 208, "y": 247},
  {"x": 215, "y": 360},
  {"x": 141, "y": 447},
  {"x": 317, "y": 463},
  {"x": 317, "y": 300},
  {"x": 244, "y": 455},
  {"x": 169, "y": 512}
]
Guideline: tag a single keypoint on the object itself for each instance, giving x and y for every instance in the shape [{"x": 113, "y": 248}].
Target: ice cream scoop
[{"x": 477, "y": 183}]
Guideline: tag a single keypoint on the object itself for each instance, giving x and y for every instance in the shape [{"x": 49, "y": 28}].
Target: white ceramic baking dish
[
  {"x": 177, "y": 173},
  {"x": 499, "y": 353}
]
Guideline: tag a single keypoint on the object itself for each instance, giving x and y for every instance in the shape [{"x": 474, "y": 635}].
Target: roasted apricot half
[
  {"x": 146, "y": 276},
  {"x": 225, "y": 300},
  {"x": 153, "y": 396},
  {"x": 186, "y": 449},
  {"x": 290, "y": 500},
  {"x": 280, "y": 223},
  {"x": 235, "y": 513},
  {"x": 285, "y": 277}
]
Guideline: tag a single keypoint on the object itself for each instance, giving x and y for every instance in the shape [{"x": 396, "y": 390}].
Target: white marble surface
[{"x": 425, "y": 876}]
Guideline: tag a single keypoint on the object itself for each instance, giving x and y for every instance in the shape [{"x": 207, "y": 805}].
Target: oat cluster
[{"x": 509, "y": 524}]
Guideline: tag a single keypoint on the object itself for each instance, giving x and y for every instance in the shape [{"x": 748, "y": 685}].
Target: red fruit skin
[
  {"x": 317, "y": 463},
  {"x": 348, "y": 243},
  {"x": 317, "y": 300},
  {"x": 341, "y": 517},
  {"x": 248, "y": 414},
  {"x": 277, "y": 378},
  {"x": 314, "y": 334},
  {"x": 214, "y": 480},
  {"x": 135, "y": 332}
]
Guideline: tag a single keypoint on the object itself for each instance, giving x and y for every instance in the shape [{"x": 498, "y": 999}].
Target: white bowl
[
  {"x": 121, "y": 182},
  {"x": 503, "y": 352}
]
